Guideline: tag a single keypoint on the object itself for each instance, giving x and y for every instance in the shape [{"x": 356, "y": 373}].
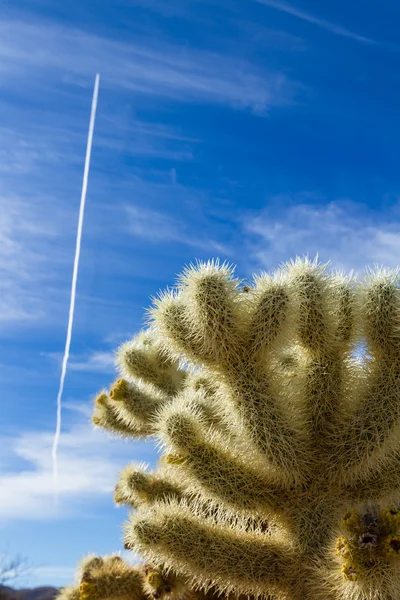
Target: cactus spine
[{"x": 280, "y": 468}]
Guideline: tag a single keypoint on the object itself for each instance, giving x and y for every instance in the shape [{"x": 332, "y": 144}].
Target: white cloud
[
  {"x": 31, "y": 51},
  {"x": 153, "y": 225},
  {"x": 41, "y": 157},
  {"x": 55, "y": 138},
  {"x": 256, "y": 34},
  {"x": 28, "y": 245},
  {"x": 329, "y": 26},
  {"x": 93, "y": 362},
  {"x": 103, "y": 362},
  {"x": 156, "y": 227},
  {"x": 41, "y": 150},
  {"x": 78, "y": 407},
  {"x": 23, "y": 150},
  {"x": 115, "y": 338},
  {"x": 119, "y": 133},
  {"x": 346, "y": 233},
  {"x": 51, "y": 575},
  {"x": 89, "y": 464}
]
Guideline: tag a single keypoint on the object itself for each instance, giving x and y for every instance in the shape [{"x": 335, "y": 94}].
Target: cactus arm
[
  {"x": 265, "y": 306},
  {"x": 213, "y": 467},
  {"x": 107, "y": 416},
  {"x": 142, "y": 358},
  {"x": 235, "y": 560},
  {"x": 204, "y": 404},
  {"x": 371, "y": 431},
  {"x": 323, "y": 324},
  {"x": 125, "y": 584},
  {"x": 114, "y": 579},
  {"x": 136, "y": 405},
  {"x": 193, "y": 322},
  {"x": 128, "y": 409},
  {"x": 136, "y": 487},
  {"x": 111, "y": 578},
  {"x": 381, "y": 481},
  {"x": 102, "y": 578},
  {"x": 210, "y": 296},
  {"x": 168, "y": 316}
]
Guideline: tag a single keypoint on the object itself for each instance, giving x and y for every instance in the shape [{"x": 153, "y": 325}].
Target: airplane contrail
[{"x": 74, "y": 280}]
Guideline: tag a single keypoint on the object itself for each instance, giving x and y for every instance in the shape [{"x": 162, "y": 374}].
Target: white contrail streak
[{"x": 74, "y": 280}]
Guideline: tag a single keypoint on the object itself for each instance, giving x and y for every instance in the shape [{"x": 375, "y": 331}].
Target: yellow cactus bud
[
  {"x": 342, "y": 548},
  {"x": 155, "y": 580},
  {"x": 119, "y": 390},
  {"x": 391, "y": 519},
  {"x": 351, "y": 521},
  {"x": 391, "y": 546},
  {"x": 102, "y": 399},
  {"x": 87, "y": 590},
  {"x": 350, "y": 572}
]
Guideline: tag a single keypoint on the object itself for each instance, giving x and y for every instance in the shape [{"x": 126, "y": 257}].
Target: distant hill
[{"x": 39, "y": 593}]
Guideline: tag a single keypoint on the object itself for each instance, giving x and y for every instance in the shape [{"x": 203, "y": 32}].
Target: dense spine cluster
[
  {"x": 279, "y": 471},
  {"x": 105, "y": 577}
]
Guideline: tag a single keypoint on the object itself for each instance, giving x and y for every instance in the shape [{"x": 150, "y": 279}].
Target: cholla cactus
[
  {"x": 101, "y": 578},
  {"x": 110, "y": 577},
  {"x": 129, "y": 408},
  {"x": 280, "y": 470}
]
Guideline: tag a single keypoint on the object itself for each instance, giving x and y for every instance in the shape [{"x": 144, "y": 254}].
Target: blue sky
[{"x": 250, "y": 130}]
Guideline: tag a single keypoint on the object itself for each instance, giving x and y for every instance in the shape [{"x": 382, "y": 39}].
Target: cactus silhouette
[{"x": 280, "y": 468}]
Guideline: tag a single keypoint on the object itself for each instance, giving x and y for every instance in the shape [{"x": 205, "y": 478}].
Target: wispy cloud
[
  {"x": 117, "y": 337},
  {"x": 41, "y": 166},
  {"x": 42, "y": 148},
  {"x": 94, "y": 362},
  {"x": 246, "y": 35},
  {"x": 103, "y": 362},
  {"x": 305, "y": 16},
  {"x": 23, "y": 150},
  {"x": 78, "y": 407},
  {"x": 256, "y": 35},
  {"x": 41, "y": 155},
  {"x": 89, "y": 463},
  {"x": 156, "y": 227},
  {"x": 57, "y": 575},
  {"x": 133, "y": 137},
  {"x": 28, "y": 244},
  {"x": 344, "y": 232},
  {"x": 46, "y": 50}
]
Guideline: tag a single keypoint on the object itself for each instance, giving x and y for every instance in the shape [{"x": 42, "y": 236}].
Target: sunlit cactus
[
  {"x": 103, "y": 578},
  {"x": 136, "y": 486},
  {"x": 280, "y": 468},
  {"x": 144, "y": 358},
  {"x": 69, "y": 592},
  {"x": 112, "y": 578},
  {"x": 149, "y": 380}
]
